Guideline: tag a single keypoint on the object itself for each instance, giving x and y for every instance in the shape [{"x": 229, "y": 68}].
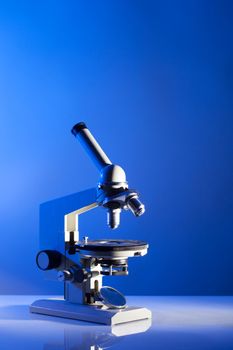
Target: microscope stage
[
  {"x": 112, "y": 245},
  {"x": 112, "y": 248}
]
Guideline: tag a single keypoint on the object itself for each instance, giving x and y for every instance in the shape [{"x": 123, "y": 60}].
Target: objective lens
[
  {"x": 113, "y": 218},
  {"x": 136, "y": 206}
]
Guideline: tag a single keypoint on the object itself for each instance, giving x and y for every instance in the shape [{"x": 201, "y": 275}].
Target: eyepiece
[{"x": 78, "y": 127}]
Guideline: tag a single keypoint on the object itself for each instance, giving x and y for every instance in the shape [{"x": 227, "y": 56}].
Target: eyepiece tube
[{"x": 95, "y": 152}]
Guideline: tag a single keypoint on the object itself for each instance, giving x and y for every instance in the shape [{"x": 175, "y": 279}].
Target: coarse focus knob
[
  {"x": 48, "y": 259},
  {"x": 75, "y": 274}
]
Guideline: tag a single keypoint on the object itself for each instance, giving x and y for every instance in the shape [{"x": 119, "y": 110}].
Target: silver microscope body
[{"x": 81, "y": 264}]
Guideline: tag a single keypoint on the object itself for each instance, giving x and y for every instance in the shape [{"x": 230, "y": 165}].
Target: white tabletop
[{"x": 178, "y": 323}]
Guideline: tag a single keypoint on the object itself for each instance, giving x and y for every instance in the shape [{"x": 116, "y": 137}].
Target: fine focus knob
[
  {"x": 48, "y": 259},
  {"x": 65, "y": 275}
]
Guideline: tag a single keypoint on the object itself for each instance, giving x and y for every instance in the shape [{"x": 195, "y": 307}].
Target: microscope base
[{"x": 63, "y": 308}]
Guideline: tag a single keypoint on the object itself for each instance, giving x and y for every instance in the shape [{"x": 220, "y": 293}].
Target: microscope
[{"x": 81, "y": 264}]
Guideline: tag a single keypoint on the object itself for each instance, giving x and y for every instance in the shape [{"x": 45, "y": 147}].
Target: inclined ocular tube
[{"x": 90, "y": 144}]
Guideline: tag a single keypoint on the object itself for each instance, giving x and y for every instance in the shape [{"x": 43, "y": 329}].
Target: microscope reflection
[{"x": 99, "y": 337}]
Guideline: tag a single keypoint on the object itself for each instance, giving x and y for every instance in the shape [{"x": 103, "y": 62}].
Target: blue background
[{"x": 154, "y": 82}]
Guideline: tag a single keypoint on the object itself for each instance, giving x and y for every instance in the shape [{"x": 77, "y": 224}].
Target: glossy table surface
[{"x": 178, "y": 323}]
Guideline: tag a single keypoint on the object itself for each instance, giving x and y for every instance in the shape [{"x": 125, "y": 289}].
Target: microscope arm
[{"x": 59, "y": 218}]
